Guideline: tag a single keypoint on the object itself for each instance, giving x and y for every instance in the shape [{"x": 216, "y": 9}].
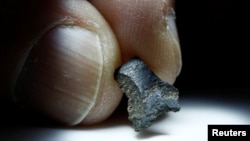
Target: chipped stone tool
[{"x": 148, "y": 96}]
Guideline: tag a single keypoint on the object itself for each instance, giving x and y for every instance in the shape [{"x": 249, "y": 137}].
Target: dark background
[
  {"x": 213, "y": 37},
  {"x": 214, "y": 41}
]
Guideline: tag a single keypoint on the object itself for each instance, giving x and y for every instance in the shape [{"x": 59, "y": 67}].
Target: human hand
[{"x": 63, "y": 60}]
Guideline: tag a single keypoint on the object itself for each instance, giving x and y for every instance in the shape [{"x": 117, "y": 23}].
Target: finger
[
  {"x": 145, "y": 29},
  {"x": 66, "y": 61}
]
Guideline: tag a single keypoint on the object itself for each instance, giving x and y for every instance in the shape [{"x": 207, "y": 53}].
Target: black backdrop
[
  {"x": 213, "y": 37},
  {"x": 214, "y": 40}
]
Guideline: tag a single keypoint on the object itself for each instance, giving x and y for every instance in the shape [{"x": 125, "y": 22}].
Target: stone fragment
[{"x": 148, "y": 96}]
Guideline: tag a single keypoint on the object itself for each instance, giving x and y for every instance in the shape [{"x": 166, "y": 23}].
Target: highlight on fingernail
[
  {"x": 171, "y": 24},
  {"x": 61, "y": 74}
]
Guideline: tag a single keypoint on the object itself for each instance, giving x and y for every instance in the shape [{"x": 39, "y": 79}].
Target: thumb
[{"x": 67, "y": 60}]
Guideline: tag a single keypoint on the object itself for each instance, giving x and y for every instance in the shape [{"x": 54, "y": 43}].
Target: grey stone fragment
[{"x": 148, "y": 95}]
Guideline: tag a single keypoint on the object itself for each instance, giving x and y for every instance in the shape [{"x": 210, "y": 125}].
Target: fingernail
[
  {"x": 171, "y": 24},
  {"x": 61, "y": 74}
]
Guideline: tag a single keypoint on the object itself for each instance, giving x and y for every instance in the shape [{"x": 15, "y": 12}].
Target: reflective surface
[{"x": 190, "y": 123}]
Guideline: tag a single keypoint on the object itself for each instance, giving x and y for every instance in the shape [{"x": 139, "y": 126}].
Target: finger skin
[
  {"x": 142, "y": 29},
  {"x": 42, "y": 23}
]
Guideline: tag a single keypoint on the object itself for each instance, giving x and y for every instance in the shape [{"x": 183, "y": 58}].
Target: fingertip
[
  {"x": 145, "y": 29},
  {"x": 69, "y": 57}
]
